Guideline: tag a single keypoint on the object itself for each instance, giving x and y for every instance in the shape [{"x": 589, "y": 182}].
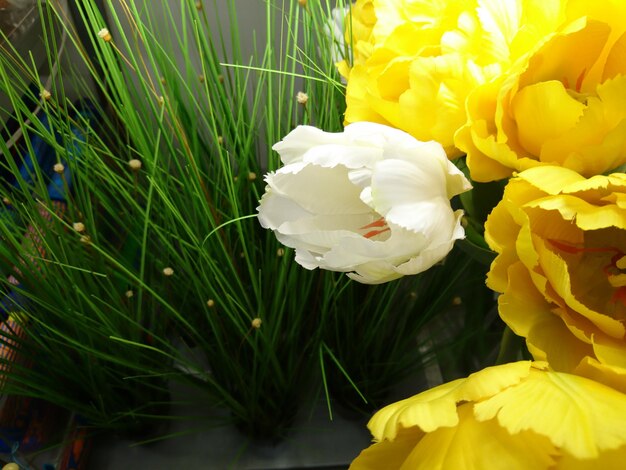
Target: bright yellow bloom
[
  {"x": 563, "y": 104},
  {"x": 509, "y": 417},
  {"x": 561, "y": 267},
  {"x": 359, "y": 27},
  {"x": 414, "y": 68}
]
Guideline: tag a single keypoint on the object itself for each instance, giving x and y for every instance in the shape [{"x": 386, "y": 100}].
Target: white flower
[
  {"x": 371, "y": 201},
  {"x": 334, "y": 30}
]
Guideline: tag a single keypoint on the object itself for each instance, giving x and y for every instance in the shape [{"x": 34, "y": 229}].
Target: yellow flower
[
  {"x": 561, "y": 266},
  {"x": 359, "y": 26},
  {"x": 562, "y": 104},
  {"x": 415, "y": 67},
  {"x": 509, "y": 417}
]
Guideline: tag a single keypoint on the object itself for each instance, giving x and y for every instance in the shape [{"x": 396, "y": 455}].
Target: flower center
[
  {"x": 579, "y": 82},
  {"x": 575, "y": 91},
  {"x": 615, "y": 270},
  {"x": 378, "y": 226}
]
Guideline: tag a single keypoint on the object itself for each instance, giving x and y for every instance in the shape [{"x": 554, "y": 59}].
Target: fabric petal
[
  {"x": 319, "y": 190},
  {"x": 578, "y": 415},
  {"x": 274, "y": 209},
  {"x": 302, "y": 138},
  {"x": 612, "y": 376},
  {"x": 388, "y": 454},
  {"x": 544, "y": 111},
  {"x": 436, "y": 407},
  {"x": 475, "y": 445}
]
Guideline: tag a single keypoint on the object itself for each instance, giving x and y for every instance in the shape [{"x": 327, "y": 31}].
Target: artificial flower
[
  {"x": 561, "y": 266},
  {"x": 563, "y": 104},
  {"x": 513, "y": 416},
  {"x": 371, "y": 201},
  {"x": 334, "y": 30},
  {"x": 359, "y": 24},
  {"x": 416, "y": 66}
]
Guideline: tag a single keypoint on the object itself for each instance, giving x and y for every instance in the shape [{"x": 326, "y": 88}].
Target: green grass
[{"x": 201, "y": 120}]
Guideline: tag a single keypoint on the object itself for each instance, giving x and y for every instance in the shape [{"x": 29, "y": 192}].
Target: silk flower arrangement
[{"x": 518, "y": 86}]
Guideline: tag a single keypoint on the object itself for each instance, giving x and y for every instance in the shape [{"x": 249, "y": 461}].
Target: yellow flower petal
[
  {"x": 532, "y": 418},
  {"x": 581, "y": 42},
  {"x": 616, "y": 59},
  {"x": 607, "y": 460},
  {"x": 557, "y": 273},
  {"x": 474, "y": 445},
  {"x": 357, "y": 98},
  {"x": 551, "y": 179},
  {"x": 343, "y": 68},
  {"x": 609, "y": 351},
  {"x": 578, "y": 415},
  {"x": 428, "y": 411},
  {"x": 436, "y": 407},
  {"x": 388, "y": 453},
  {"x": 561, "y": 243},
  {"x": 562, "y": 103},
  {"x": 597, "y": 143},
  {"x": 491, "y": 380},
  {"x": 529, "y": 315},
  {"x": 612, "y": 376},
  {"x": 544, "y": 111},
  {"x": 392, "y": 82},
  {"x": 452, "y": 47}
]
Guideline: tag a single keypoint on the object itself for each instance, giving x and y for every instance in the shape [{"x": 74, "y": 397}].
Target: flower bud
[
  {"x": 105, "y": 35},
  {"x": 302, "y": 98},
  {"x": 134, "y": 164}
]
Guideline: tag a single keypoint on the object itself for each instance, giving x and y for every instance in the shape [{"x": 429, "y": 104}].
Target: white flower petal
[
  {"x": 375, "y": 272},
  {"x": 318, "y": 241},
  {"x": 378, "y": 135},
  {"x": 274, "y": 209},
  {"x": 423, "y": 154},
  {"x": 427, "y": 258},
  {"x": 290, "y": 169},
  {"x": 366, "y": 196},
  {"x": 334, "y": 30},
  {"x": 301, "y": 139},
  {"x": 355, "y": 250},
  {"x": 457, "y": 183},
  {"x": 410, "y": 196},
  {"x": 348, "y": 223},
  {"x": 306, "y": 259},
  {"x": 431, "y": 218},
  {"x": 320, "y": 190},
  {"x": 408, "y": 182},
  {"x": 436, "y": 251},
  {"x": 350, "y": 156},
  {"x": 361, "y": 177},
  {"x": 350, "y": 252}
]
